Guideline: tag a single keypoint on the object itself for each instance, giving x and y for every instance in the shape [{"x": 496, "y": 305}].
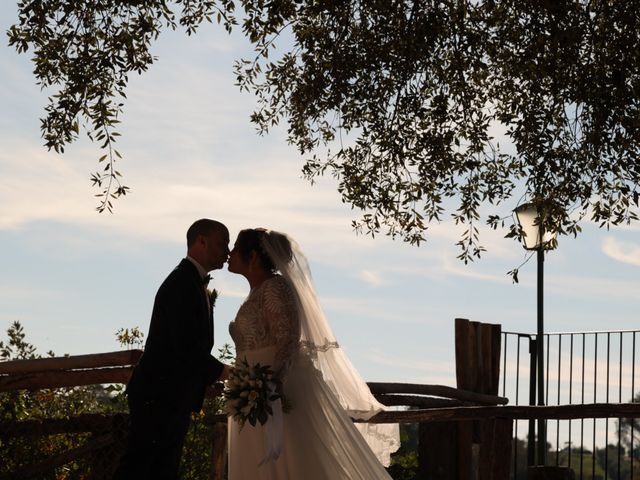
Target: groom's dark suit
[{"x": 170, "y": 379}]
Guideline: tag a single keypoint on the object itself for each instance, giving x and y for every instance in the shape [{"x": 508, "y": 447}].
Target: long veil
[{"x": 318, "y": 340}]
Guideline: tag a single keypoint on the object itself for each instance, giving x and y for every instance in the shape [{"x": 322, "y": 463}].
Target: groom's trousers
[{"x": 154, "y": 445}]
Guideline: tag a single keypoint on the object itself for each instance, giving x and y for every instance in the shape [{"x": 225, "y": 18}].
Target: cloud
[
  {"x": 39, "y": 185},
  {"x": 459, "y": 269},
  {"x": 44, "y": 186},
  {"x": 625, "y": 252},
  {"x": 370, "y": 277},
  {"x": 387, "y": 309},
  {"x": 191, "y": 152},
  {"x": 592, "y": 287},
  {"x": 188, "y": 154},
  {"x": 22, "y": 294},
  {"x": 413, "y": 370}
]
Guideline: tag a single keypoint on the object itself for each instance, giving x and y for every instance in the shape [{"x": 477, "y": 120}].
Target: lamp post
[{"x": 530, "y": 218}]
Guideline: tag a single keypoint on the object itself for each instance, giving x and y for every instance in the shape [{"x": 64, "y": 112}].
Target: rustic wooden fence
[{"x": 465, "y": 432}]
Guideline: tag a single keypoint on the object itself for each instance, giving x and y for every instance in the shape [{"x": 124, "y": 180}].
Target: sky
[{"x": 73, "y": 277}]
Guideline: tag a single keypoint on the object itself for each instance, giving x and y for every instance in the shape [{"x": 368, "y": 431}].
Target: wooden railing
[
  {"x": 106, "y": 429},
  {"x": 93, "y": 369},
  {"x": 116, "y": 367},
  {"x": 430, "y": 404}
]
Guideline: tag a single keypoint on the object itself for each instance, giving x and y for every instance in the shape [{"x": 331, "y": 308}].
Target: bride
[{"x": 282, "y": 325}]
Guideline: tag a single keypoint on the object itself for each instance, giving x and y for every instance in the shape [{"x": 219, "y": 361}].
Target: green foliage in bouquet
[{"x": 248, "y": 393}]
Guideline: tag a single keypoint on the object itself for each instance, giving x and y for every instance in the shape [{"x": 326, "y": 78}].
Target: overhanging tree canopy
[{"x": 417, "y": 86}]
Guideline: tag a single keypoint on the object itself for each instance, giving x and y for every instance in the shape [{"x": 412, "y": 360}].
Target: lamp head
[{"x": 529, "y": 218}]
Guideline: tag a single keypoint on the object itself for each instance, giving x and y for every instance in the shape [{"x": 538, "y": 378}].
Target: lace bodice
[{"x": 268, "y": 317}]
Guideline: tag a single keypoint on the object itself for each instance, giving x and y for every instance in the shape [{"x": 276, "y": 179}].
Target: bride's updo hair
[{"x": 265, "y": 243}]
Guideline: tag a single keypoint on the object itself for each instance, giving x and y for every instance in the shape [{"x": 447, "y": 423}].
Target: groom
[{"x": 170, "y": 379}]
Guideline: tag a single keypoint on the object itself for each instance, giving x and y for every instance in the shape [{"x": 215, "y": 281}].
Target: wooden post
[
  {"x": 494, "y": 459},
  {"x": 437, "y": 460},
  {"x": 478, "y": 370},
  {"x": 468, "y": 377}
]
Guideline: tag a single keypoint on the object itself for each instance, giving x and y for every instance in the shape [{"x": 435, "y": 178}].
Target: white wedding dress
[{"x": 319, "y": 440}]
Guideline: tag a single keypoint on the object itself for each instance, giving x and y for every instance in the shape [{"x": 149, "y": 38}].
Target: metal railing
[{"x": 580, "y": 368}]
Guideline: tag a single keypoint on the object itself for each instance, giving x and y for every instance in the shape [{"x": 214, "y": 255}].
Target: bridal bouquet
[{"x": 248, "y": 393}]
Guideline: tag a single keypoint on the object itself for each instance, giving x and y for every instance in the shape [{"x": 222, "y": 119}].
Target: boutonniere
[{"x": 213, "y": 296}]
